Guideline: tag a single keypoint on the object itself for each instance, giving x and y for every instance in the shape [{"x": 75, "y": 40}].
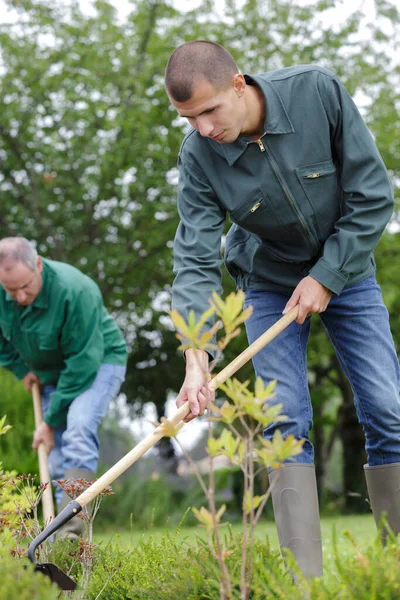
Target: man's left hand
[
  {"x": 311, "y": 296},
  {"x": 43, "y": 434}
]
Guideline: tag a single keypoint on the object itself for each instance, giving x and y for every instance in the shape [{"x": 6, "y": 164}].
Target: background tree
[{"x": 88, "y": 149}]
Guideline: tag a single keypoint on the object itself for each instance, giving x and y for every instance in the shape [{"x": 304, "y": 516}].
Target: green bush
[
  {"x": 19, "y": 581},
  {"x": 16, "y": 447},
  {"x": 371, "y": 575},
  {"x": 168, "y": 570}
]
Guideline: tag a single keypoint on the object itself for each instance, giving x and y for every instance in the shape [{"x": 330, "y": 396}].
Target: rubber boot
[
  {"x": 73, "y": 528},
  {"x": 383, "y": 483},
  {"x": 296, "y": 511}
]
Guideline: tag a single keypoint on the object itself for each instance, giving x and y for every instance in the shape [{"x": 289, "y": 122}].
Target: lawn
[{"x": 361, "y": 527}]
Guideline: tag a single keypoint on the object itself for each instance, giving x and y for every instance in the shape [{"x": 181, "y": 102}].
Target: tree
[{"x": 88, "y": 143}]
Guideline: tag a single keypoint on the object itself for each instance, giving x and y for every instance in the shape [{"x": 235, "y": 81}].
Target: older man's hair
[
  {"x": 17, "y": 249},
  {"x": 195, "y": 61}
]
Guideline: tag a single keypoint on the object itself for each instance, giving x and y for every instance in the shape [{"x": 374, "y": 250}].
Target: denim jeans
[
  {"x": 76, "y": 446},
  {"x": 357, "y": 323}
]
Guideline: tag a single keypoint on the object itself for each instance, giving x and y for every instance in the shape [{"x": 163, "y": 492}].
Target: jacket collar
[{"x": 277, "y": 121}]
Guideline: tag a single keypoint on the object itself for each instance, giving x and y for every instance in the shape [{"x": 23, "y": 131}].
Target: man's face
[
  {"x": 217, "y": 114},
  {"x": 22, "y": 284}
]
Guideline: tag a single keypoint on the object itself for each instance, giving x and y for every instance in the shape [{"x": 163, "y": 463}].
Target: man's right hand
[
  {"x": 29, "y": 380},
  {"x": 195, "y": 389}
]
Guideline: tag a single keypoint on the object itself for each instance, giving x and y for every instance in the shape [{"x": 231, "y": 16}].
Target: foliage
[
  {"x": 88, "y": 141},
  {"x": 370, "y": 574},
  {"x": 243, "y": 416},
  {"x": 168, "y": 569},
  {"x": 19, "y": 502},
  {"x": 11, "y": 501},
  {"x": 19, "y": 580},
  {"x": 165, "y": 569},
  {"x": 151, "y": 501},
  {"x": 16, "y": 447},
  {"x": 88, "y": 147},
  {"x": 230, "y": 315}
]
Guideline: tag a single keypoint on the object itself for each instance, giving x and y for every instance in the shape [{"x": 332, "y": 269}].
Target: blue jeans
[
  {"x": 357, "y": 323},
  {"x": 76, "y": 446}
]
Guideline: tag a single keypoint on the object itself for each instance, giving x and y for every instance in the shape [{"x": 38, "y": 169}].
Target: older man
[{"x": 55, "y": 330}]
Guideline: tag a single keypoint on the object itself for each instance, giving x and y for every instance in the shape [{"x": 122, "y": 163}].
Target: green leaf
[
  {"x": 4, "y": 428},
  {"x": 213, "y": 447}
]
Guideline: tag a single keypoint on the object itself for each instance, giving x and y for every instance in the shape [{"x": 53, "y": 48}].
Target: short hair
[
  {"x": 18, "y": 249},
  {"x": 194, "y": 61}
]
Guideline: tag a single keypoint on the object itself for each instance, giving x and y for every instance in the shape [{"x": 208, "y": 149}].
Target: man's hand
[
  {"x": 195, "y": 389},
  {"x": 29, "y": 380},
  {"x": 43, "y": 434},
  {"x": 311, "y": 296}
]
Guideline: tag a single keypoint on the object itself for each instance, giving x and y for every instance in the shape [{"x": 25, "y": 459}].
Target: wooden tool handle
[
  {"x": 149, "y": 441},
  {"x": 255, "y": 347},
  {"x": 44, "y": 474}
]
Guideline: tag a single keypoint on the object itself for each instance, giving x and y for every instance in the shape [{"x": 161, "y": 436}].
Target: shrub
[
  {"x": 168, "y": 570},
  {"x": 16, "y": 447},
  {"x": 370, "y": 575},
  {"x": 20, "y": 581}
]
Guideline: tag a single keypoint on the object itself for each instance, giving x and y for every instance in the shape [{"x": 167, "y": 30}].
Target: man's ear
[
  {"x": 239, "y": 84},
  {"x": 39, "y": 264}
]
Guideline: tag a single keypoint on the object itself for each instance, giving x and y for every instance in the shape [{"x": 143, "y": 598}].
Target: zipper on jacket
[
  {"x": 292, "y": 204},
  {"x": 255, "y": 207},
  {"x": 313, "y": 175},
  {"x": 260, "y": 144}
]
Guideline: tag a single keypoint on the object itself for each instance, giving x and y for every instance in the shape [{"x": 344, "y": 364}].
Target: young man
[
  {"x": 287, "y": 156},
  {"x": 55, "y": 330}
]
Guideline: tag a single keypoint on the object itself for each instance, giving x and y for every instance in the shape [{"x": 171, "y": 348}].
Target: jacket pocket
[
  {"x": 239, "y": 252},
  {"x": 40, "y": 349},
  {"x": 48, "y": 342},
  {"x": 320, "y": 185},
  {"x": 257, "y": 215}
]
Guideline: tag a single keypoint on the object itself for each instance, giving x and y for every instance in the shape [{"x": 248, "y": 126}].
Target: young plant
[
  {"x": 19, "y": 501},
  {"x": 243, "y": 415},
  {"x": 84, "y": 554},
  {"x": 30, "y": 497}
]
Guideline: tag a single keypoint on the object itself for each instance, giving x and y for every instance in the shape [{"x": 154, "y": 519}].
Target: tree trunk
[{"x": 168, "y": 458}]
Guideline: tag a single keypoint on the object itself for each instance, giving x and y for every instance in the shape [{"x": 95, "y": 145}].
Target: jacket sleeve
[
  {"x": 367, "y": 193},
  {"x": 83, "y": 347},
  {"x": 197, "y": 245},
  {"x": 11, "y": 360}
]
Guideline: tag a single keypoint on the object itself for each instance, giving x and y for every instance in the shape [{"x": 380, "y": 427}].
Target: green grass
[{"x": 362, "y": 528}]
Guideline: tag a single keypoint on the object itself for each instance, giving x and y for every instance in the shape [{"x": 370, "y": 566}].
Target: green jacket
[
  {"x": 63, "y": 336},
  {"x": 310, "y": 197}
]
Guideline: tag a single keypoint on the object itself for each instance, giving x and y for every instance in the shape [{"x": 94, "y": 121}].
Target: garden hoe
[
  {"x": 44, "y": 474},
  {"x": 75, "y": 506}
]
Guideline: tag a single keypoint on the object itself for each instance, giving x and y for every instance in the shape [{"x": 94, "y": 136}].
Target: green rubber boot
[
  {"x": 296, "y": 510},
  {"x": 383, "y": 483},
  {"x": 75, "y": 527}
]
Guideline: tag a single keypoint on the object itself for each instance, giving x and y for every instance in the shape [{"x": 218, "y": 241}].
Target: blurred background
[{"x": 88, "y": 152}]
